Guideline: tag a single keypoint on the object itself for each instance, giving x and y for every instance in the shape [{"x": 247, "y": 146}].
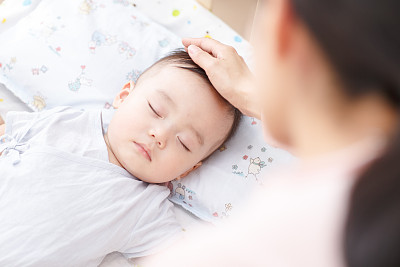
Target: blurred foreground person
[{"x": 327, "y": 88}]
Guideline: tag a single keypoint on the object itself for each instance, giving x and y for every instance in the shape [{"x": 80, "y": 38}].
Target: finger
[
  {"x": 201, "y": 58},
  {"x": 211, "y": 46}
]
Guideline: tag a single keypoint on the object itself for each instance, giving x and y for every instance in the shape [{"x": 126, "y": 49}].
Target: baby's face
[{"x": 166, "y": 124}]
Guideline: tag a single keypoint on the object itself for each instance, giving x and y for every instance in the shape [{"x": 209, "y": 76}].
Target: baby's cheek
[{"x": 171, "y": 169}]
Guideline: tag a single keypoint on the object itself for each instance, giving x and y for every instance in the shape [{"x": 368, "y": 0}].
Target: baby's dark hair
[{"x": 181, "y": 59}]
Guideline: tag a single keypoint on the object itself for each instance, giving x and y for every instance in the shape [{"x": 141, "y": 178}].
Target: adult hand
[{"x": 227, "y": 71}]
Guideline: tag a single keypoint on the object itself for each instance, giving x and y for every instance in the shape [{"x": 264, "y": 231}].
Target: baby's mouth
[{"x": 143, "y": 150}]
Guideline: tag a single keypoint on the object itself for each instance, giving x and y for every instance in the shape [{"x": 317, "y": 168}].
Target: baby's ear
[
  {"x": 125, "y": 91},
  {"x": 190, "y": 170}
]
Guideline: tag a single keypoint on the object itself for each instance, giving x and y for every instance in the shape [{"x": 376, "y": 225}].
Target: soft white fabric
[
  {"x": 63, "y": 204},
  {"x": 9, "y": 102}
]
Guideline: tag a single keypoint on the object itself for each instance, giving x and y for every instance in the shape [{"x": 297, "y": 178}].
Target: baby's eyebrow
[
  {"x": 166, "y": 97},
  {"x": 200, "y": 138}
]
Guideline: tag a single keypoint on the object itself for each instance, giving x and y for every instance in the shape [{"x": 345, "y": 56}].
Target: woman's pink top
[{"x": 296, "y": 219}]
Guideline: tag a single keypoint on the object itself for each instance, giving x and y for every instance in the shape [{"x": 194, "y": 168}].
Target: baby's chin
[
  {"x": 149, "y": 175},
  {"x": 153, "y": 178}
]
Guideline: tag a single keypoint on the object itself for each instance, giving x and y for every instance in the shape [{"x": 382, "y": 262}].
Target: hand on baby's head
[{"x": 169, "y": 121}]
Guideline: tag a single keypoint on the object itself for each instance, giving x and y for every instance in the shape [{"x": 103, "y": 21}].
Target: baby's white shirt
[{"x": 63, "y": 204}]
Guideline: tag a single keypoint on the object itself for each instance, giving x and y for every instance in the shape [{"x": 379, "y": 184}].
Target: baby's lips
[{"x": 146, "y": 152}]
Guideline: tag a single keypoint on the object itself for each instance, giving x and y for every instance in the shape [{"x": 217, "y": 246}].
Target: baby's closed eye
[
  {"x": 154, "y": 110},
  {"x": 183, "y": 144}
]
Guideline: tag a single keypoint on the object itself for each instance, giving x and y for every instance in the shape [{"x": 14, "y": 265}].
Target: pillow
[
  {"x": 11, "y": 12},
  {"x": 223, "y": 183},
  {"x": 80, "y": 53}
]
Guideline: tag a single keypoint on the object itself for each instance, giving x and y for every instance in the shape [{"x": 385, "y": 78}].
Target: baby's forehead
[
  {"x": 157, "y": 71},
  {"x": 170, "y": 75},
  {"x": 166, "y": 66},
  {"x": 175, "y": 67}
]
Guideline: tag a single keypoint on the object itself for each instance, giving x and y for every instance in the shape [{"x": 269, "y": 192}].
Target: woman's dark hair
[
  {"x": 181, "y": 59},
  {"x": 361, "y": 38}
]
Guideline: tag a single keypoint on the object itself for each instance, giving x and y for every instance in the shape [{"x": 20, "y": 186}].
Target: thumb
[{"x": 200, "y": 57}]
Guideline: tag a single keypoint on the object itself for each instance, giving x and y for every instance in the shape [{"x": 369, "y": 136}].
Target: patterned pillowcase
[
  {"x": 81, "y": 52},
  {"x": 224, "y": 182}
]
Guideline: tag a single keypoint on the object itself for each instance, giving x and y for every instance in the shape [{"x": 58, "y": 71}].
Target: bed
[{"x": 78, "y": 52}]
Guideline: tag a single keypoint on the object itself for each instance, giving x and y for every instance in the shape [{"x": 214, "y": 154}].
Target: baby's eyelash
[
  {"x": 155, "y": 112},
  {"x": 185, "y": 147}
]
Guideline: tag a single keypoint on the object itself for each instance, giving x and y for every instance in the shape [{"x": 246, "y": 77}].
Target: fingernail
[{"x": 193, "y": 49}]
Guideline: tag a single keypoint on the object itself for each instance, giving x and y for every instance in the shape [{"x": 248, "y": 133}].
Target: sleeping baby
[{"x": 76, "y": 185}]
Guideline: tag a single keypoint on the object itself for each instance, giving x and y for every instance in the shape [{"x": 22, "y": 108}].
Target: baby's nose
[
  {"x": 161, "y": 144},
  {"x": 159, "y": 140}
]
